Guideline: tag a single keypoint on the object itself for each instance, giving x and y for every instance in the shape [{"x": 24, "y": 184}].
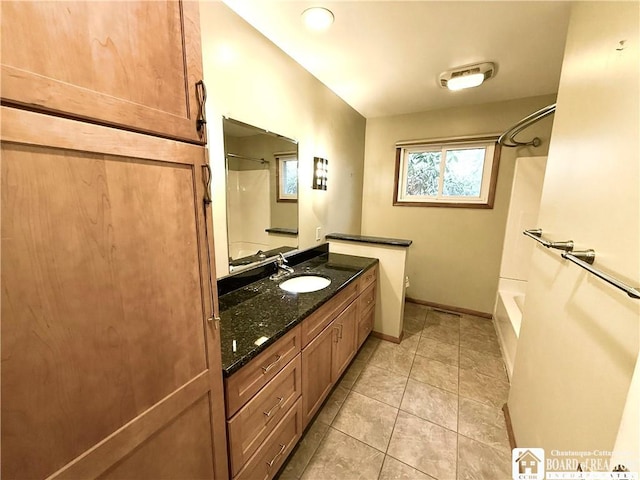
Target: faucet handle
[{"x": 282, "y": 259}]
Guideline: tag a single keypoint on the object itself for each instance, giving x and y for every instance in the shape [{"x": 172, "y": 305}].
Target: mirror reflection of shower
[{"x": 262, "y": 194}]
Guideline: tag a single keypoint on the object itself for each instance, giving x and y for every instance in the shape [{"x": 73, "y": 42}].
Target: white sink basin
[{"x": 305, "y": 284}]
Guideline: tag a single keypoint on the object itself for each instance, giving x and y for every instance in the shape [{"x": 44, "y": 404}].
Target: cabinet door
[
  {"x": 316, "y": 372},
  {"x": 130, "y": 64},
  {"x": 345, "y": 348},
  {"x": 110, "y": 367}
]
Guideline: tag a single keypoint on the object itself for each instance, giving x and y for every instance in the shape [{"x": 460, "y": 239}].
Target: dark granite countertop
[
  {"x": 282, "y": 231},
  {"x": 262, "y": 309},
  {"x": 395, "y": 242}
]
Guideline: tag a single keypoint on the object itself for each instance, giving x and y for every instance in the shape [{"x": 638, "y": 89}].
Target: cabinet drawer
[
  {"x": 367, "y": 298},
  {"x": 368, "y": 278},
  {"x": 275, "y": 449},
  {"x": 365, "y": 324},
  {"x": 240, "y": 387},
  {"x": 322, "y": 317},
  {"x": 253, "y": 423}
]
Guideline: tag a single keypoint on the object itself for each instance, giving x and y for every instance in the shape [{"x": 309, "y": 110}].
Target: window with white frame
[
  {"x": 452, "y": 173},
  {"x": 287, "y": 177}
]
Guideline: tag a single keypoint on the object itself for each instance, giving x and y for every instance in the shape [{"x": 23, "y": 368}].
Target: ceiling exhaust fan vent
[{"x": 467, "y": 76}]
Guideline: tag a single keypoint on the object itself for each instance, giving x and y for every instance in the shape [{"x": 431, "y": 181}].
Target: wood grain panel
[
  {"x": 31, "y": 128},
  {"x": 130, "y": 64},
  {"x": 104, "y": 300},
  {"x": 114, "y": 449},
  {"x": 102, "y": 327},
  {"x": 183, "y": 449}
]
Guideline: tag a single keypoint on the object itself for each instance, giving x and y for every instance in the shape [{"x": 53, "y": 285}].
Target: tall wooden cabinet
[
  {"x": 110, "y": 349},
  {"x": 130, "y": 64}
]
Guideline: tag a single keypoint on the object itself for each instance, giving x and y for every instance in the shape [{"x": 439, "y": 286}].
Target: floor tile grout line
[
  {"x": 357, "y": 439},
  {"x": 313, "y": 454},
  {"x": 393, "y": 429},
  {"x": 434, "y": 386},
  {"x": 485, "y": 444},
  {"x": 432, "y": 423},
  {"x": 411, "y": 466}
]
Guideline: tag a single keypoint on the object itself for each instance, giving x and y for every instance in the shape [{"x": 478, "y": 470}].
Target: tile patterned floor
[{"x": 429, "y": 408}]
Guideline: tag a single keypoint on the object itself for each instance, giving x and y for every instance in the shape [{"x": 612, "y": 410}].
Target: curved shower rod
[{"x": 507, "y": 138}]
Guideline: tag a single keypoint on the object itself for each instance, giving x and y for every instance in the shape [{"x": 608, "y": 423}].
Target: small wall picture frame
[{"x": 320, "y": 173}]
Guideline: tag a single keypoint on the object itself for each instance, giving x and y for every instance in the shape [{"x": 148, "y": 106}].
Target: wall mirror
[{"x": 262, "y": 194}]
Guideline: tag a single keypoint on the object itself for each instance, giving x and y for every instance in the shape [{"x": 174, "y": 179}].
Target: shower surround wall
[
  {"x": 246, "y": 219},
  {"x": 516, "y": 254}
]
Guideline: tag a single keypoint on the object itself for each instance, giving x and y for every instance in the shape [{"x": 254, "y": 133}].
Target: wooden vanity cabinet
[
  {"x": 132, "y": 65},
  {"x": 263, "y": 406},
  {"x": 253, "y": 423},
  {"x": 326, "y": 358},
  {"x": 328, "y": 355},
  {"x": 271, "y": 400}
]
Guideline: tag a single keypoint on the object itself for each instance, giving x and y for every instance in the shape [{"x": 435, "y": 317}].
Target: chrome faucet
[
  {"x": 283, "y": 269},
  {"x": 281, "y": 261}
]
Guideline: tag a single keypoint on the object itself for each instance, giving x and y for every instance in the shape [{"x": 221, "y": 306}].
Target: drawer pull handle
[
  {"x": 337, "y": 337},
  {"x": 341, "y": 325},
  {"x": 270, "y": 411},
  {"x": 273, "y": 460},
  {"x": 271, "y": 365}
]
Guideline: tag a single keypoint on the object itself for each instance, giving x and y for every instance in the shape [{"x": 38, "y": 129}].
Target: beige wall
[
  {"x": 579, "y": 338},
  {"x": 456, "y": 252},
  {"x": 249, "y": 79}
]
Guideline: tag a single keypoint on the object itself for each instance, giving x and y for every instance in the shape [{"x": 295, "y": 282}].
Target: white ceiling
[{"x": 384, "y": 57}]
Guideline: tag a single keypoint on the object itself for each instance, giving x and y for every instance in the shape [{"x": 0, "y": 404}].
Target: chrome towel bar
[
  {"x": 536, "y": 234},
  {"x": 584, "y": 259},
  {"x": 632, "y": 292}
]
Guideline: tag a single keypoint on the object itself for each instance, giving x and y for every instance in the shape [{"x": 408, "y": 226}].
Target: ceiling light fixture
[
  {"x": 466, "y": 77},
  {"x": 317, "y": 18}
]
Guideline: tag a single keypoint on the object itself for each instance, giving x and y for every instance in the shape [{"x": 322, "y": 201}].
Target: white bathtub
[{"x": 507, "y": 317}]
